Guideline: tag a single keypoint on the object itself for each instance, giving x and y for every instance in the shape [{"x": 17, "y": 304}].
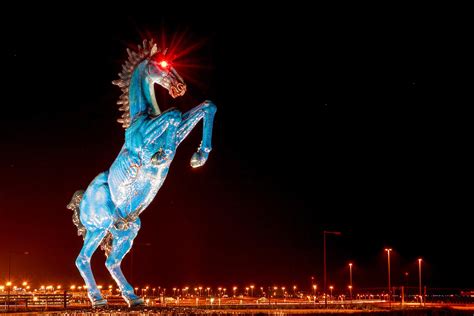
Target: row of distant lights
[
  {"x": 9, "y": 285},
  {"x": 110, "y": 287}
]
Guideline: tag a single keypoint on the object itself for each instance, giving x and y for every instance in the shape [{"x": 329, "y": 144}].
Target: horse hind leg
[
  {"x": 91, "y": 242},
  {"x": 121, "y": 245},
  {"x": 96, "y": 210}
]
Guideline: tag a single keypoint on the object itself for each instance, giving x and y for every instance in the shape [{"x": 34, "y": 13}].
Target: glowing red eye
[{"x": 164, "y": 64}]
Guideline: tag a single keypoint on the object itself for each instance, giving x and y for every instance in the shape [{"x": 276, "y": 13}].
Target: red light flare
[
  {"x": 164, "y": 64},
  {"x": 180, "y": 51},
  {"x": 183, "y": 54}
]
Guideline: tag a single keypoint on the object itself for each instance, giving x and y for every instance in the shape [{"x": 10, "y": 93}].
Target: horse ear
[{"x": 153, "y": 50}]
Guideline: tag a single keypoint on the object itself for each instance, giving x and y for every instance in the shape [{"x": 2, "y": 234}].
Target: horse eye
[{"x": 164, "y": 64}]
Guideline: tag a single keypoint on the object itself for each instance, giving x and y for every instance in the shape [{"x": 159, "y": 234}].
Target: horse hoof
[
  {"x": 197, "y": 160},
  {"x": 136, "y": 302},
  {"x": 99, "y": 303}
]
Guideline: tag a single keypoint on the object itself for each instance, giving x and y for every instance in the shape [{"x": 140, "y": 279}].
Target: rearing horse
[{"x": 107, "y": 213}]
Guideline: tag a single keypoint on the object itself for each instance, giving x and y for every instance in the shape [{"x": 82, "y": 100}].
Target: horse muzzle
[{"x": 178, "y": 90}]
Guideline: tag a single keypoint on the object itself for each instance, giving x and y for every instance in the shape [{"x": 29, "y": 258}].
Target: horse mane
[{"x": 134, "y": 59}]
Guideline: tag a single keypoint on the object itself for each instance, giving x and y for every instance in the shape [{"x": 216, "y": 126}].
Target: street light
[
  {"x": 419, "y": 279},
  {"x": 388, "y": 250},
  {"x": 350, "y": 279},
  {"x": 331, "y": 288},
  {"x": 251, "y": 290},
  {"x": 325, "y": 278}
]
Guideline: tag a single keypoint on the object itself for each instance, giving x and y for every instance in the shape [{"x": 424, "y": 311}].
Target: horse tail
[
  {"x": 74, "y": 206},
  {"x": 106, "y": 244}
]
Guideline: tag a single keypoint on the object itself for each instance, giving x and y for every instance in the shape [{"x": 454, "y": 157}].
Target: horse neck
[{"x": 140, "y": 92}]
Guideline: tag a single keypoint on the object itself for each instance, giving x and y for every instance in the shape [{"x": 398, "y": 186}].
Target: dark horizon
[{"x": 326, "y": 121}]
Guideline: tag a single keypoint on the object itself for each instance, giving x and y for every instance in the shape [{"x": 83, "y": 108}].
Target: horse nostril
[{"x": 181, "y": 88}]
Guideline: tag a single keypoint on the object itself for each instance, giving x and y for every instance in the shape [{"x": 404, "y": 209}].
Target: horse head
[
  {"x": 145, "y": 67},
  {"x": 160, "y": 71}
]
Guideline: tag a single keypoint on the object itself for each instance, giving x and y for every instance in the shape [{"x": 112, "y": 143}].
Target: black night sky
[{"x": 347, "y": 119}]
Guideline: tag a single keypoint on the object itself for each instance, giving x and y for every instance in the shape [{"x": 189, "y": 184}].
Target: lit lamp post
[
  {"x": 419, "y": 280},
  {"x": 325, "y": 278},
  {"x": 350, "y": 280},
  {"x": 388, "y": 250},
  {"x": 331, "y": 288},
  {"x": 251, "y": 290}
]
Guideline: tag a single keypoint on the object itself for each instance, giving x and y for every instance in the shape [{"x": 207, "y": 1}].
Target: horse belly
[{"x": 135, "y": 190}]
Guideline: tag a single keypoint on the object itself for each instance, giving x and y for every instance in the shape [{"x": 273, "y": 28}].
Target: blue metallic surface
[{"x": 107, "y": 212}]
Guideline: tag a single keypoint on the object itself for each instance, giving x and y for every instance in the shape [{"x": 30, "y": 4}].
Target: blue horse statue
[{"x": 107, "y": 213}]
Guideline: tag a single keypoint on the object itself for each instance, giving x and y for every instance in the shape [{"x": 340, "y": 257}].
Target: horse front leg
[
  {"x": 205, "y": 111},
  {"x": 162, "y": 130}
]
